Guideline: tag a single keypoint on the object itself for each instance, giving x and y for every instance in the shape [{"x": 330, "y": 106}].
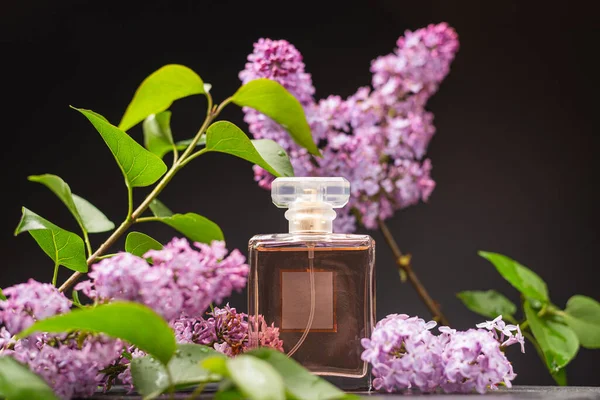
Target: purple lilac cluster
[
  {"x": 227, "y": 331},
  {"x": 376, "y": 138},
  {"x": 69, "y": 363},
  {"x": 71, "y": 366},
  {"x": 29, "y": 302},
  {"x": 405, "y": 354},
  {"x": 182, "y": 280}
]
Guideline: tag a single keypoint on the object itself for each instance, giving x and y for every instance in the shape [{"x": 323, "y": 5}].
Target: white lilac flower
[{"x": 506, "y": 331}]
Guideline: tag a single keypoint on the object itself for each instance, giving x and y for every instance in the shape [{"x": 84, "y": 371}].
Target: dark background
[{"x": 513, "y": 155}]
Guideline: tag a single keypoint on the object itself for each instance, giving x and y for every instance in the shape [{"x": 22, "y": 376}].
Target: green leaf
[
  {"x": 195, "y": 227},
  {"x": 273, "y": 100},
  {"x": 230, "y": 393},
  {"x": 138, "y": 244},
  {"x": 2, "y": 296},
  {"x": 133, "y": 322},
  {"x": 225, "y": 137},
  {"x": 159, "y": 209},
  {"x": 63, "y": 247},
  {"x": 139, "y": 166},
  {"x": 157, "y": 133},
  {"x": 94, "y": 220},
  {"x": 217, "y": 365},
  {"x": 560, "y": 377},
  {"x": 87, "y": 216},
  {"x": 489, "y": 303},
  {"x": 558, "y": 342},
  {"x": 298, "y": 381},
  {"x": 17, "y": 382},
  {"x": 255, "y": 378},
  {"x": 151, "y": 379},
  {"x": 522, "y": 278},
  {"x": 158, "y": 91},
  {"x": 583, "y": 316}
]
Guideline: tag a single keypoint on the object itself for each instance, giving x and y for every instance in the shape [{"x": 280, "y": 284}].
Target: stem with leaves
[
  {"x": 134, "y": 216},
  {"x": 405, "y": 265}
]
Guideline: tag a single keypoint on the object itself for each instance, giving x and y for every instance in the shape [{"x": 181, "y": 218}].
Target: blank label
[{"x": 296, "y": 301}]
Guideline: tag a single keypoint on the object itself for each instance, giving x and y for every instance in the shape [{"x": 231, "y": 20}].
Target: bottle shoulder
[{"x": 310, "y": 240}]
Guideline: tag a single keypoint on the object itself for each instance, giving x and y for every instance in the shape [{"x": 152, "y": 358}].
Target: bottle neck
[{"x": 307, "y": 217}]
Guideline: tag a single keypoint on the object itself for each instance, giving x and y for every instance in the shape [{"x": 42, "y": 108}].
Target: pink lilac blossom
[
  {"x": 280, "y": 61},
  {"x": 125, "y": 376},
  {"x": 264, "y": 335},
  {"x": 70, "y": 367},
  {"x": 69, "y": 363},
  {"x": 231, "y": 329},
  {"x": 192, "y": 330},
  {"x": 376, "y": 138},
  {"x": 226, "y": 330},
  {"x": 29, "y": 302},
  {"x": 182, "y": 280},
  {"x": 404, "y": 354},
  {"x": 473, "y": 360},
  {"x": 6, "y": 339}
]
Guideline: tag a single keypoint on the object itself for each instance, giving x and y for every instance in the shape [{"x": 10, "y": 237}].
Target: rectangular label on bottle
[{"x": 296, "y": 301}]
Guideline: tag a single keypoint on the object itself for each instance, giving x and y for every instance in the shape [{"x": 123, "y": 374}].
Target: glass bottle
[{"x": 316, "y": 286}]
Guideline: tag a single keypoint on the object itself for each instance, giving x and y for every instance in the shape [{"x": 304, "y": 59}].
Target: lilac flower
[
  {"x": 192, "y": 330},
  {"x": 472, "y": 360},
  {"x": 182, "y": 280},
  {"x": 404, "y": 354},
  {"x": 506, "y": 337},
  {"x": 69, "y": 363},
  {"x": 425, "y": 55},
  {"x": 125, "y": 377},
  {"x": 282, "y": 62},
  {"x": 202, "y": 277},
  {"x": 232, "y": 330},
  {"x": 376, "y": 138},
  {"x": 446, "y": 334},
  {"x": 70, "y": 366},
  {"x": 29, "y": 302},
  {"x": 263, "y": 335},
  {"x": 116, "y": 278},
  {"x": 6, "y": 339},
  {"x": 517, "y": 338},
  {"x": 227, "y": 331}
]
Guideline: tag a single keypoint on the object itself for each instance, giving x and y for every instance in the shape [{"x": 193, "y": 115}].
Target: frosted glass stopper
[
  {"x": 310, "y": 201},
  {"x": 333, "y": 192}
]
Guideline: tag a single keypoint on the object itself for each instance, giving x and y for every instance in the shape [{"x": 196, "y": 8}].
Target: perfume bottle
[{"x": 315, "y": 285}]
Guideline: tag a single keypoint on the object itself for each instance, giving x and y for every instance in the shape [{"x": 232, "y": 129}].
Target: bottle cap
[
  {"x": 310, "y": 201},
  {"x": 333, "y": 191}
]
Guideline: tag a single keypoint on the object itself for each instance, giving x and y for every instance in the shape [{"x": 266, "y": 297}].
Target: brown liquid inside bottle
[{"x": 319, "y": 290}]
